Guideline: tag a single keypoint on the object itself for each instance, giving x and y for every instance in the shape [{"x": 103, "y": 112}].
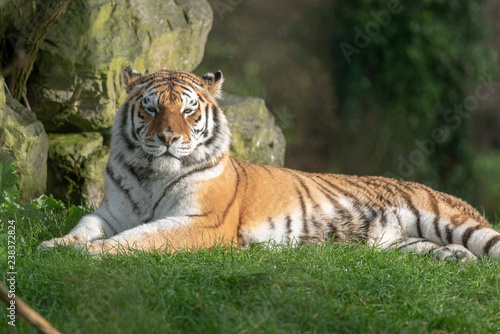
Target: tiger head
[{"x": 171, "y": 119}]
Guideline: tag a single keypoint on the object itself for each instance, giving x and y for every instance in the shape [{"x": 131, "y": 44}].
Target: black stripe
[
  {"x": 123, "y": 119},
  {"x": 266, "y": 168},
  {"x": 172, "y": 78},
  {"x": 113, "y": 230},
  {"x": 231, "y": 202},
  {"x": 344, "y": 214},
  {"x": 355, "y": 199},
  {"x": 117, "y": 182},
  {"x": 245, "y": 177},
  {"x": 411, "y": 243},
  {"x": 414, "y": 210},
  {"x": 179, "y": 179},
  {"x": 289, "y": 227},
  {"x": 491, "y": 243},
  {"x": 467, "y": 234},
  {"x": 271, "y": 223},
  {"x": 334, "y": 186},
  {"x": 206, "y": 131},
  {"x": 155, "y": 84},
  {"x": 383, "y": 219},
  {"x": 196, "y": 216},
  {"x": 138, "y": 130},
  {"x": 216, "y": 128},
  {"x": 176, "y": 94},
  {"x": 305, "y": 228},
  {"x": 361, "y": 185},
  {"x": 435, "y": 209},
  {"x": 390, "y": 188},
  {"x": 301, "y": 182},
  {"x": 129, "y": 168},
  {"x": 123, "y": 128},
  {"x": 178, "y": 200},
  {"x": 332, "y": 231},
  {"x": 301, "y": 199},
  {"x": 129, "y": 144},
  {"x": 324, "y": 189},
  {"x": 134, "y": 130},
  {"x": 341, "y": 210},
  {"x": 357, "y": 205},
  {"x": 317, "y": 224},
  {"x": 185, "y": 88},
  {"x": 146, "y": 87}
]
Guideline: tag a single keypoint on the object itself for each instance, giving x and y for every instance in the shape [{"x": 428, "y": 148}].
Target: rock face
[
  {"x": 77, "y": 77},
  {"x": 76, "y": 166},
  {"x": 23, "y": 138},
  {"x": 255, "y": 136}
]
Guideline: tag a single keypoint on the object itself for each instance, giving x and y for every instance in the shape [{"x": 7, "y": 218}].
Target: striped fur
[{"x": 172, "y": 185}]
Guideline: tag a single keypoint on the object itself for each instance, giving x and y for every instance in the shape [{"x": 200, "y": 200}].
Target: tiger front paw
[
  {"x": 77, "y": 241},
  {"x": 454, "y": 253}
]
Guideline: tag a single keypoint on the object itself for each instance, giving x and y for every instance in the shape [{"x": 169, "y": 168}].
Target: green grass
[{"x": 323, "y": 288}]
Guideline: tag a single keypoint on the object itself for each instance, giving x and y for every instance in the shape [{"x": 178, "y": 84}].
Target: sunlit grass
[{"x": 316, "y": 288}]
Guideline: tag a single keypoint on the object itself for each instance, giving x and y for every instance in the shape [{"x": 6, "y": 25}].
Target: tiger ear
[
  {"x": 130, "y": 77},
  {"x": 213, "y": 83}
]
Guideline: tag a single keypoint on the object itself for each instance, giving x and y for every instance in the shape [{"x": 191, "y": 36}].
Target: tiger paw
[
  {"x": 77, "y": 241},
  {"x": 454, "y": 253}
]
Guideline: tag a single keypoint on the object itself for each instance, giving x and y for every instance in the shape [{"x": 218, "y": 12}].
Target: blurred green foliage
[
  {"x": 402, "y": 71},
  {"x": 488, "y": 195},
  {"x": 8, "y": 180},
  {"x": 394, "y": 107}
]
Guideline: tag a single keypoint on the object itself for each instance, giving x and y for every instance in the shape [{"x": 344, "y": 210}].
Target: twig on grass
[{"x": 27, "y": 313}]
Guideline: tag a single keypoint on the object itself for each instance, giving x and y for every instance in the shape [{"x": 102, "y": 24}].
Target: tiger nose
[{"x": 167, "y": 139}]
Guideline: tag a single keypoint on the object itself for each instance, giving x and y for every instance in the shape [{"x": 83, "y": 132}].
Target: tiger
[{"x": 171, "y": 185}]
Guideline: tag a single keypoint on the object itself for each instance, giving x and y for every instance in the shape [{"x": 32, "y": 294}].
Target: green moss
[
  {"x": 93, "y": 175},
  {"x": 255, "y": 135},
  {"x": 76, "y": 167},
  {"x": 23, "y": 138},
  {"x": 73, "y": 149},
  {"x": 100, "y": 19}
]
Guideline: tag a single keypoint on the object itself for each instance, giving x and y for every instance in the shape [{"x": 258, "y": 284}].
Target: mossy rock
[
  {"x": 255, "y": 137},
  {"x": 23, "y": 138},
  {"x": 76, "y": 167},
  {"x": 76, "y": 83}
]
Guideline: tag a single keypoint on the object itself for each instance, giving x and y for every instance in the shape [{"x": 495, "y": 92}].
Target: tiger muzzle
[{"x": 168, "y": 139}]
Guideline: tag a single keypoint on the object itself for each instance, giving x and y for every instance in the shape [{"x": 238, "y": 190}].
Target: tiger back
[{"x": 171, "y": 184}]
